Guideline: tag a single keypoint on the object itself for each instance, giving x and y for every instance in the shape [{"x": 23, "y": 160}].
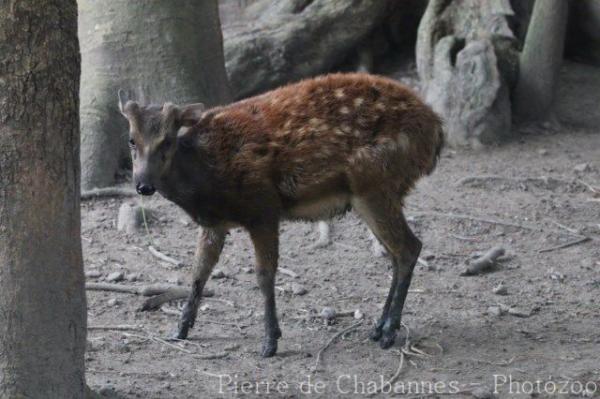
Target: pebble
[
  {"x": 298, "y": 289},
  {"x": 248, "y": 270},
  {"x": 500, "y": 289},
  {"x": 115, "y": 277},
  {"x": 358, "y": 314},
  {"x": 582, "y": 167},
  {"x": 482, "y": 393},
  {"x": 93, "y": 274},
  {"x": 495, "y": 311},
  {"x": 112, "y": 302},
  {"x": 217, "y": 274},
  {"x": 132, "y": 276},
  {"x": 328, "y": 313},
  {"x": 543, "y": 151}
]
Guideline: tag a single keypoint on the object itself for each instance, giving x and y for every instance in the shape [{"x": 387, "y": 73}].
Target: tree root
[{"x": 107, "y": 192}]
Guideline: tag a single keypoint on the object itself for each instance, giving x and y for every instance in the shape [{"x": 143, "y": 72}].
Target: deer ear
[
  {"x": 126, "y": 106},
  {"x": 191, "y": 114},
  {"x": 122, "y": 100}
]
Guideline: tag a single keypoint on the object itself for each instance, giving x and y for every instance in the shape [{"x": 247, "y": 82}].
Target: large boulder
[{"x": 289, "y": 40}]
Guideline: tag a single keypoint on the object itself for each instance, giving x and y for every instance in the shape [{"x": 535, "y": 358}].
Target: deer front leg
[
  {"x": 266, "y": 247},
  {"x": 210, "y": 245}
]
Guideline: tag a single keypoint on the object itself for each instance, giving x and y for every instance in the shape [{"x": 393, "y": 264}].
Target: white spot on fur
[
  {"x": 339, "y": 93},
  {"x": 344, "y": 110},
  {"x": 403, "y": 142},
  {"x": 358, "y": 101},
  {"x": 380, "y": 106},
  {"x": 315, "y": 121}
]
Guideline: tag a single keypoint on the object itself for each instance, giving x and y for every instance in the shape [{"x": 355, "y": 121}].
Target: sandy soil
[{"x": 461, "y": 335}]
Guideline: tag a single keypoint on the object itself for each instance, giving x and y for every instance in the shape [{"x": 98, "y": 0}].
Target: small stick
[
  {"x": 129, "y": 289},
  {"x": 566, "y": 245},
  {"x": 336, "y": 336},
  {"x": 474, "y": 218},
  {"x": 212, "y": 356},
  {"x": 118, "y": 327},
  {"x": 287, "y": 272},
  {"x": 107, "y": 192},
  {"x": 570, "y": 230},
  {"x": 484, "y": 262},
  {"x": 589, "y": 186},
  {"x": 156, "y": 253}
]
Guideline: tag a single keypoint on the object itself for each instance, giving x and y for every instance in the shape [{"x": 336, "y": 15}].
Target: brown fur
[{"x": 308, "y": 150}]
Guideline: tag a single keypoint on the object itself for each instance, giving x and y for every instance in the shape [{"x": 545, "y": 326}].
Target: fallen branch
[
  {"x": 495, "y": 179},
  {"x": 212, "y": 356},
  {"x": 484, "y": 262},
  {"x": 145, "y": 290},
  {"x": 118, "y": 327},
  {"x": 566, "y": 245},
  {"x": 474, "y": 218},
  {"x": 157, "y": 254},
  {"x": 107, "y": 192},
  {"x": 336, "y": 336}
]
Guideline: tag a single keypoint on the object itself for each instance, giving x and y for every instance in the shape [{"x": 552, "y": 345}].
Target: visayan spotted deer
[{"x": 307, "y": 151}]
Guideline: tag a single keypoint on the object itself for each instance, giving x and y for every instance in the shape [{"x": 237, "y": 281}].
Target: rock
[
  {"x": 286, "y": 41},
  {"x": 298, "y": 289},
  {"x": 115, "y": 277},
  {"x": 518, "y": 312},
  {"x": 93, "y": 274},
  {"x": 500, "y": 289},
  {"x": 132, "y": 276},
  {"x": 582, "y": 167},
  {"x": 218, "y": 274},
  {"x": 131, "y": 218},
  {"x": 328, "y": 314},
  {"x": 495, "y": 311},
  {"x": 543, "y": 152},
  {"x": 204, "y": 308},
  {"x": 358, "y": 314},
  {"x": 482, "y": 393},
  {"x": 108, "y": 391},
  {"x": 112, "y": 302},
  {"x": 248, "y": 270}
]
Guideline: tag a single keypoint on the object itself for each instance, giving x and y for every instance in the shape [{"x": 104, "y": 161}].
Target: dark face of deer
[{"x": 153, "y": 139}]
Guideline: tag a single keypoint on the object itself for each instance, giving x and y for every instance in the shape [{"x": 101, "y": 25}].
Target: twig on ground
[
  {"x": 212, "y": 356},
  {"x": 157, "y": 254},
  {"x": 589, "y": 186},
  {"x": 484, "y": 262},
  {"x": 107, "y": 192},
  {"x": 336, "y": 336},
  {"x": 117, "y": 327},
  {"x": 287, "y": 272},
  {"x": 473, "y": 218},
  {"x": 160, "y": 341},
  {"x": 145, "y": 290},
  {"x": 580, "y": 240}
]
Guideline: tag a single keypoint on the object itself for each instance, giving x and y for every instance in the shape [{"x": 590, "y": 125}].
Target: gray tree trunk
[
  {"x": 42, "y": 297},
  {"x": 159, "y": 50},
  {"x": 466, "y": 57},
  {"x": 540, "y": 60},
  {"x": 289, "y": 40}
]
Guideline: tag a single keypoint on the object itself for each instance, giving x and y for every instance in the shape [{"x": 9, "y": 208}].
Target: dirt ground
[{"x": 538, "y": 338}]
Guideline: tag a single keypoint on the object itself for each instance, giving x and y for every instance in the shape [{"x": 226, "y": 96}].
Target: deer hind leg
[
  {"x": 208, "y": 251},
  {"x": 266, "y": 246},
  {"x": 385, "y": 218}
]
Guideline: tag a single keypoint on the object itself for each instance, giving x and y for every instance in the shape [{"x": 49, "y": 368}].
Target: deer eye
[{"x": 131, "y": 143}]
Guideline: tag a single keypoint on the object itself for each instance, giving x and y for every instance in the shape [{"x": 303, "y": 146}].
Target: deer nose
[{"x": 144, "y": 189}]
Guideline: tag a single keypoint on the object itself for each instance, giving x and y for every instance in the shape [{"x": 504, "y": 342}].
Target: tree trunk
[
  {"x": 467, "y": 61},
  {"x": 42, "y": 297},
  {"x": 540, "y": 61},
  {"x": 159, "y": 50},
  {"x": 289, "y": 40}
]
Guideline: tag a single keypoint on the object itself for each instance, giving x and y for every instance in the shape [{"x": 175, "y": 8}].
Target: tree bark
[
  {"x": 540, "y": 60},
  {"x": 288, "y": 40},
  {"x": 159, "y": 50},
  {"x": 42, "y": 296}
]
